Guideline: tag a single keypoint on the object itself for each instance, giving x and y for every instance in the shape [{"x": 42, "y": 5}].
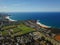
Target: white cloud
[{"x": 22, "y": 8}]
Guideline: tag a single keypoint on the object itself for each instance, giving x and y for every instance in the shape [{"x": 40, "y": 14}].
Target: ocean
[{"x": 47, "y": 18}]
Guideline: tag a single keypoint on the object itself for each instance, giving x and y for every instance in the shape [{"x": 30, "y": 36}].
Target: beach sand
[
  {"x": 42, "y": 25},
  {"x": 7, "y": 17}
]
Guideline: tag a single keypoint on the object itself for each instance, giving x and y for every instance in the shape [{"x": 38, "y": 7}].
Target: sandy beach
[
  {"x": 7, "y": 17},
  {"x": 42, "y": 25}
]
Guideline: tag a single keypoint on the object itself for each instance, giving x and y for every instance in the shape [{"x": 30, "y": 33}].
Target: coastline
[
  {"x": 7, "y": 17},
  {"x": 42, "y": 25},
  {"x": 38, "y": 22}
]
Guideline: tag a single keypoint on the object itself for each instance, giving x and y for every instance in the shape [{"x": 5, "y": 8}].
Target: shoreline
[
  {"x": 7, "y": 17},
  {"x": 42, "y": 25},
  {"x": 38, "y": 22}
]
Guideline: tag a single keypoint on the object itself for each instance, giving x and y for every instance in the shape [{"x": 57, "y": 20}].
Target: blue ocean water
[{"x": 47, "y": 18}]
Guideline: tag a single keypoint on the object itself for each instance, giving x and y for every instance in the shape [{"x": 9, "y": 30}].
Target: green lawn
[
  {"x": 8, "y": 27},
  {"x": 4, "y": 33},
  {"x": 22, "y": 29},
  {"x": 18, "y": 30}
]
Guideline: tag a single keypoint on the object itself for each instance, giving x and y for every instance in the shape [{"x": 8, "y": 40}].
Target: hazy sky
[{"x": 29, "y": 5}]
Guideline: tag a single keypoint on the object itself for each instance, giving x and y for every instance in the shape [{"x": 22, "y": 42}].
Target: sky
[{"x": 29, "y": 5}]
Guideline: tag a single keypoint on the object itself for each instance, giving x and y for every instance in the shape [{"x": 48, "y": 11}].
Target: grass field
[{"x": 17, "y": 29}]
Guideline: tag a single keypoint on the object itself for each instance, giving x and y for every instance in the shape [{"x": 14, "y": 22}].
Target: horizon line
[{"x": 34, "y": 11}]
